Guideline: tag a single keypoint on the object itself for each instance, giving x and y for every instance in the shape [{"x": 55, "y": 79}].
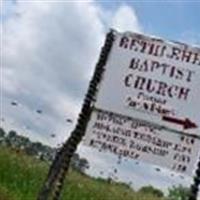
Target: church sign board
[{"x": 147, "y": 106}]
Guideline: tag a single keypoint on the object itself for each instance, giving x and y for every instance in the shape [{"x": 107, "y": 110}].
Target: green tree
[
  {"x": 12, "y": 134},
  {"x": 2, "y": 133},
  {"x": 83, "y": 164},
  {"x": 178, "y": 193},
  {"x": 151, "y": 190}
]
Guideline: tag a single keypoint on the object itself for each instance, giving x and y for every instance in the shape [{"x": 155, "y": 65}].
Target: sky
[{"x": 48, "y": 53}]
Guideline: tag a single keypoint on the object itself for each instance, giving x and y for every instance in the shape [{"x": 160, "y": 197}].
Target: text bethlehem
[{"x": 150, "y": 64}]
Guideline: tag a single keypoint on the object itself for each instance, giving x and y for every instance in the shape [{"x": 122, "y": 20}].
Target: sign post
[
  {"x": 195, "y": 186},
  {"x": 56, "y": 176}
]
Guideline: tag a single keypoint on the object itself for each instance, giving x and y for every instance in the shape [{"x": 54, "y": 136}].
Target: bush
[
  {"x": 178, "y": 193},
  {"x": 151, "y": 190}
]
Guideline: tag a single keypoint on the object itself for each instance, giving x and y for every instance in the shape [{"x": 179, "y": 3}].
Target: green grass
[{"x": 21, "y": 177}]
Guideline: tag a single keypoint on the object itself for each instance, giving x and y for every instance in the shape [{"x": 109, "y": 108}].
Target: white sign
[
  {"x": 133, "y": 139},
  {"x": 148, "y": 103},
  {"x": 153, "y": 80}
]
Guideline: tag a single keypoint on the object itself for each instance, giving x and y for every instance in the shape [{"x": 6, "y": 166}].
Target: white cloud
[
  {"x": 125, "y": 19},
  {"x": 49, "y": 53}
]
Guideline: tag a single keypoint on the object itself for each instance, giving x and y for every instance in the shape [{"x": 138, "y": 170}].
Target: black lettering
[
  {"x": 196, "y": 59},
  {"x": 124, "y": 42},
  {"x": 162, "y": 86},
  {"x": 127, "y": 80},
  {"x": 186, "y": 56},
  {"x": 175, "y": 53},
  {"x": 134, "y": 64},
  {"x": 139, "y": 83},
  {"x": 184, "y": 93}
]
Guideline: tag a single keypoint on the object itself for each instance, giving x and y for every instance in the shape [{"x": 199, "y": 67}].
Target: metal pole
[
  {"x": 195, "y": 186},
  {"x": 59, "y": 168}
]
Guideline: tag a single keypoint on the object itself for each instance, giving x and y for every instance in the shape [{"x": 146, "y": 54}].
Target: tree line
[{"x": 43, "y": 152}]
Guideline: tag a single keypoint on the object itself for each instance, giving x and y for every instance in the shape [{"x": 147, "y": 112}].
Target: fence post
[
  {"x": 195, "y": 186},
  {"x": 57, "y": 172}
]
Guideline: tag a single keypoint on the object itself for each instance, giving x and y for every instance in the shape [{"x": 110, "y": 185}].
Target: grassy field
[{"x": 21, "y": 177}]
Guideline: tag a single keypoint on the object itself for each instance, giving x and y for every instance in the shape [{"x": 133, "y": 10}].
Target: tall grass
[{"x": 21, "y": 177}]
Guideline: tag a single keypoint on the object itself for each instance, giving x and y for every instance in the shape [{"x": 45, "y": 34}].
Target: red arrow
[{"x": 186, "y": 123}]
